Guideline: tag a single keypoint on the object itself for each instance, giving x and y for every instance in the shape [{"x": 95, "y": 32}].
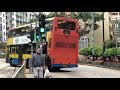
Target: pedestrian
[
  {"x": 38, "y": 63},
  {"x": 48, "y": 61}
]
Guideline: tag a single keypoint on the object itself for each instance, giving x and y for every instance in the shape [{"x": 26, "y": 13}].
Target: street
[
  {"x": 84, "y": 71},
  {"x": 6, "y": 71}
]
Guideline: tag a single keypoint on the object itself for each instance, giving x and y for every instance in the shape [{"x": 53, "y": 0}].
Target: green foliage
[
  {"x": 118, "y": 51},
  {"x": 98, "y": 51},
  {"x": 88, "y": 51},
  {"x": 114, "y": 51},
  {"x": 107, "y": 52},
  {"x": 111, "y": 52},
  {"x": 2, "y": 55},
  {"x": 110, "y": 43},
  {"x": 85, "y": 51}
]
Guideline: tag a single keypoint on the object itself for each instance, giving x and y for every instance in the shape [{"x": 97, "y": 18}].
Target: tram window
[
  {"x": 66, "y": 25},
  {"x": 9, "y": 34},
  {"x": 51, "y": 25},
  {"x": 13, "y": 33},
  {"x": 18, "y": 32}
]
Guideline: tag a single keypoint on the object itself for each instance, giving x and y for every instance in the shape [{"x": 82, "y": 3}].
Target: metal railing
[{"x": 21, "y": 73}]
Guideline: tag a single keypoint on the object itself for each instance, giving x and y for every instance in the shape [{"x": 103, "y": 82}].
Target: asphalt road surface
[
  {"x": 6, "y": 71},
  {"x": 83, "y": 71}
]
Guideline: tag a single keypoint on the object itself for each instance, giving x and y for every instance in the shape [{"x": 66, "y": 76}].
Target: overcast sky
[{"x": 46, "y": 13}]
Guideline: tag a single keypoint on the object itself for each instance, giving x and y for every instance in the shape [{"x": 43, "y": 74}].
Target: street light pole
[
  {"x": 103, "y": 37},
  {"x": 93, "y": 53},
  {"x": 116, "y": 32}
]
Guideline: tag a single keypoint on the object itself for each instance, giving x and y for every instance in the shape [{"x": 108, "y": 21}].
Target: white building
[
  {"x": 13, "y": 19},
  {"x": 2, "y": 26}
]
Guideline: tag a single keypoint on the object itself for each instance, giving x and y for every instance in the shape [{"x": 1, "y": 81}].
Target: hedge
[
  {"x": 98, "y": 51},
  {"x": 2, "y": 55}
]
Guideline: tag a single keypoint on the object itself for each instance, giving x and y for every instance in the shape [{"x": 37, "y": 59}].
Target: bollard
[{"x": 24, "y": 68}]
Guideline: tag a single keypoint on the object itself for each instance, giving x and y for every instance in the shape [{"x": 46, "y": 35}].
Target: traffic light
[
  {"x": 37, "y": 34},
  {"x": 31, "y": 35},
  {"x": 42, "y": 29},
  {"x": 42, "y": 21}
]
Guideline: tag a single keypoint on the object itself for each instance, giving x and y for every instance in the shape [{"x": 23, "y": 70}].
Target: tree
[{"x": 85, "y": 17}]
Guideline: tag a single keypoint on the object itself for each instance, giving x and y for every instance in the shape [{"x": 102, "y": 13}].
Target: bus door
[
  {"x": 20, "y": 54},
  {"x": 13, "y": 56}
]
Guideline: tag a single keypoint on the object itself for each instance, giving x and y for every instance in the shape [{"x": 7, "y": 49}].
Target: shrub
[
  {"x": 118, "y": 51},
  {"x": 84, "y": 51},
  {"x": 2, "y": 55},
  {"x": 107, "y": 52},
  {"x": 98, "y": 51},
  {"x": 110, "y": 43},
  {"x": 88, "y": 51}
]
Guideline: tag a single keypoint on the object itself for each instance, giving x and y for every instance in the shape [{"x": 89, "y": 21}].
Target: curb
[{"x": 99, "y": 66}]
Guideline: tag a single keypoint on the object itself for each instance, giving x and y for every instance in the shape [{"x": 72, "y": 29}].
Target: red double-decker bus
[{"x": 63, "y": 42}]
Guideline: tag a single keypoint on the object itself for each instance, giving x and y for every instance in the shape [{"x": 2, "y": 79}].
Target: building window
[
  {"x": 0, "y": 27},
  {"x": 0, "y": 19},
  {"x": 3, "y": 27},
  {"x": 4, "y": 33},
  {"x": 3, "y": 21},
  {"x": 114, "y": 13},
  {"x": 12, "y": 25}
]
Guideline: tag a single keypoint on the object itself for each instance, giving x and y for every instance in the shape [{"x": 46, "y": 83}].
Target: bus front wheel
[{"x": 11, "y": 62}]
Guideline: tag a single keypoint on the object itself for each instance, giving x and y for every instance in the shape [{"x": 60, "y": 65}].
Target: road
[
  {"x": 84, "y": 71},
  {"x": 6, "y": 71}
]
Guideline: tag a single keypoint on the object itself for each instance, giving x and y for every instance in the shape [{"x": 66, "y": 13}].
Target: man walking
[{"x": 38, "y": 63}]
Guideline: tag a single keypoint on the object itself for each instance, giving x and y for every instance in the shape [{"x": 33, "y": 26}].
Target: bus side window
[{"x": 51, "y": 25}]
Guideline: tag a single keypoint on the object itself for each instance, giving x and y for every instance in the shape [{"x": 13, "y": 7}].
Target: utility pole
[
  {"x": 103, "y": 37},
  {"x": 116, "y": 33},
  {"x": 93, "y": 53},
  {"x": 31, "y": 43}
]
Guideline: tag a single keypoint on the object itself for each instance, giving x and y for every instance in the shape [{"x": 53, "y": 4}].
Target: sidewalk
[{"x": 28, "y": 74}]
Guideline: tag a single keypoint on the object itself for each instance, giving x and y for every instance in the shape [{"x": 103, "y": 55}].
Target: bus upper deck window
[{"x": 69, "y": 25}]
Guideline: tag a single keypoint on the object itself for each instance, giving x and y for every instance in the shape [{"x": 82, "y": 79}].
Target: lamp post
[
  {"x": 93, "y": 53},
  {"x": 103, "y": 36},
  {"x": 37, "y": 15}
]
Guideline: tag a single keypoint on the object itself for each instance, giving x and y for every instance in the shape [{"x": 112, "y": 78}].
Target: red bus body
[{"x": 63, "y": 49}]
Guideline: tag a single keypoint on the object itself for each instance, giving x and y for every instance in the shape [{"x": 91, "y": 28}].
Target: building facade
[
  {"x": 10, "y": 20},
  {"x": 98, "y": 34},
  {"x": 2, "y": 26},
  {"x": 115, "y": 19}
]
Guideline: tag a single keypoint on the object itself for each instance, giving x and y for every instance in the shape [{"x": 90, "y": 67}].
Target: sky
[{"x": 46, "y": 13}]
